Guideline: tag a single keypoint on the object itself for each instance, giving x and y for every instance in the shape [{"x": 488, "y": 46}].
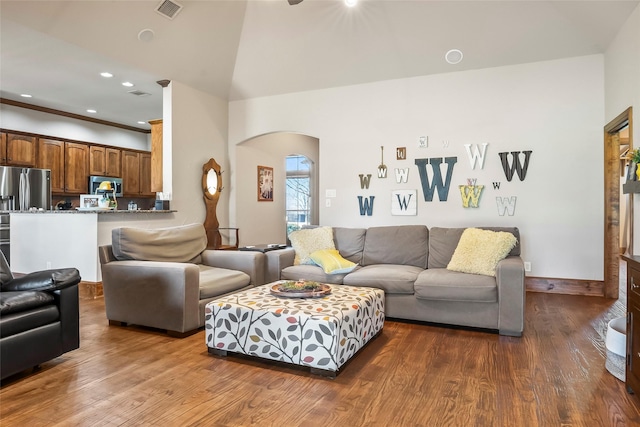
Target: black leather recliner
[{"x": 39, "y": 317}]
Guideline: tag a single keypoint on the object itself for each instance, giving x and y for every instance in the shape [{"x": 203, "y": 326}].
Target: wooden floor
[{"x": 411, "y": 375}]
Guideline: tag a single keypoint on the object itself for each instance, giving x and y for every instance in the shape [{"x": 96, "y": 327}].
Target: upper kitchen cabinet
[
  {"x": 51, "y": 156},
  {"x": 136, "y": 174},
  {"x": 104, "y": 161},
  {"x": 76, "y": 168},
  {"x": 19, "y": 150},
  {"x": 3, "y": 148}
]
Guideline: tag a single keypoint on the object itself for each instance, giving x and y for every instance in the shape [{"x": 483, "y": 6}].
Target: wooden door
[
  {"x": 130, "y": 173},
  {"x": 3, "y": 149},
  {"x": 76, "y": 167},
  {"x": 145, "y": 175},
  {"x": 113, "y": 164},
  {"x": 21, "y": 150},
  {"x": 97, "y": 160},
  {"x": 51, "y": 156}
]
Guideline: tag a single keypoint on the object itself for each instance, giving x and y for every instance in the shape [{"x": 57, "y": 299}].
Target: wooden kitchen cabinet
[
  {"x": 51, "y": 156},
  {"x": 632, "y": 374},
  {"x": 104, "y": 161},
  {"x": 76, "y": 168},
  {"x": 3, "y": 148},
  {"x": 156, "y": 155},
  {"x": 136, "y": 174},
  {"x": 20, "y": 150}
]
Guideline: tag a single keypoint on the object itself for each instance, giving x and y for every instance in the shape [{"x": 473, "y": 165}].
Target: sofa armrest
[
  {"x": 250, "y": 262},
  {"x": 511, "y": 295},
  {"x": 68, "y": 303},
  {"x": 162, "y": 295},
  {"x": 45, "y": 280},
  {"x": 277, "y": 261}
]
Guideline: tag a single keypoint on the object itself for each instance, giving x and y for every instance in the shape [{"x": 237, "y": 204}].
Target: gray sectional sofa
[{"x": 409, "y": 262}]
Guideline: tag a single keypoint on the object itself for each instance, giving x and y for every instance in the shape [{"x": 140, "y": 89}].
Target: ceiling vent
[
  {"x": 138, "y": 93},
  {"x": 168, "y": 9}
]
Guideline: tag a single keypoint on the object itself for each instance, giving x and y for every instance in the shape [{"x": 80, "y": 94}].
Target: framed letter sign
[{"x": 265, "y": 184}]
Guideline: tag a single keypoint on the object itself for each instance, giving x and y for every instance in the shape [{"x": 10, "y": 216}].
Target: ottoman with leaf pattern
[{"x": 321, "y": 333}]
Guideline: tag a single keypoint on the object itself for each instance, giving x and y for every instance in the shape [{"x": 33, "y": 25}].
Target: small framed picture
[
  {"x": 89, "y": 201},
  {"x": 265, "y": 184}
]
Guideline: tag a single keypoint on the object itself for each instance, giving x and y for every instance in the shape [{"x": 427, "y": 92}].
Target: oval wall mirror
[{"x": 212, "y": 181}]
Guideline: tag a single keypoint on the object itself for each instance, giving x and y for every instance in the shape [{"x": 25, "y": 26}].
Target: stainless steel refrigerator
[{"x": 21, "y": 189}]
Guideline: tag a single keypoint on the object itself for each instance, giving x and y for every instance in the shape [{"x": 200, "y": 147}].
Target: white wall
[
  {"x": 22, "y": 119},
  {"x": 554, "y": 108},
  {"x": 263, "y": 222},
  {"x": 622, "y": 89}
]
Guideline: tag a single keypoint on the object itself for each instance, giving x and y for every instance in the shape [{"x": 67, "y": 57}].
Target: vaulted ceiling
[{"x": 238, "y": 49}]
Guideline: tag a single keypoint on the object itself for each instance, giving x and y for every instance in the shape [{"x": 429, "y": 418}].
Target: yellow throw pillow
[
  {"x": 332, "y": 262},
  {"x": 308, "y": 240},
  {"x": 479, "y": 251}
]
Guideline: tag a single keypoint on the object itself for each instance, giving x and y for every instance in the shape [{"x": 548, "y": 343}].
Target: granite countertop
[{"x": 93, "y": 211}]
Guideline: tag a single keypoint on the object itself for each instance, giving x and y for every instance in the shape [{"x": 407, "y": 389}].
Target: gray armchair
[{"x": 163, "y": 278}]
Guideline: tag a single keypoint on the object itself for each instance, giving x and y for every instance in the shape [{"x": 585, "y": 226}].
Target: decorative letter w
[
  {"x": 521, "y": 170},
  {"x": 437, "y": 184}
]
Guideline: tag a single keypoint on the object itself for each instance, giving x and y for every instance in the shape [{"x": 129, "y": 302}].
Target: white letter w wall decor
[
  {"x": 506, "y": 204},
  {"x": 402, "y": 175},
  {"x": 437, "y": 184},
  {"x": 520, "y": 169},
  {"x": 476, "y": 155}
]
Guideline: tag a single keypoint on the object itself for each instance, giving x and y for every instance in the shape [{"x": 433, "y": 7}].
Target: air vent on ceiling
[
  {"x": 138, "y": 93},
  {"x": 168, "y": 8}
]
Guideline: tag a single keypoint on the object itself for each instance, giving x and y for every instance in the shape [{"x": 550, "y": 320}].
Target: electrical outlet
[
  {"x": 527, "y": 266},
  {"x": 327, "y": 203},
  {"x": 48, "y": 265}
]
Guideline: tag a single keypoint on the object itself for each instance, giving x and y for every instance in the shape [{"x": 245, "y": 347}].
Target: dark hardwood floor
[{"x": 411, "y": 375}]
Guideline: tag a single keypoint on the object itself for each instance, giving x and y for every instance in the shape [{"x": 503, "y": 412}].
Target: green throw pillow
[
  {"x": 479, "y": 251},
  {"x": 332, "y": 262}
]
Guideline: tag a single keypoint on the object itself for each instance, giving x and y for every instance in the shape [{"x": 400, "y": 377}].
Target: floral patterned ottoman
[{"x": 322, "y": 333}]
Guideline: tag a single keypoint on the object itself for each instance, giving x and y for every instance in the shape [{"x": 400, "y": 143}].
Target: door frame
[{"x": 612, "y": 202}]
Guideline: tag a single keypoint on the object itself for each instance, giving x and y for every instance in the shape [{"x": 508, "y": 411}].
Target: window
[{"x": 299, "y": 192}]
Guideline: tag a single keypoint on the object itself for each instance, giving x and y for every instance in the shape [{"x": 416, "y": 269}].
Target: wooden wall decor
[
  {"x": 401, "y": 153},
  {"x": 476, "y": 155},
  {"x": 515, "y": 166},
  {"x": 404, "y": 202},
  {"x": 442, "y": 187},
  {"x": 506, "y": 204},
  {"x": 366, "y": 205},
  {"x": 382, "y": 169}
]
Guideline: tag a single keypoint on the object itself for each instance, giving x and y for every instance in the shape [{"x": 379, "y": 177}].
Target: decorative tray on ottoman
[{"x": 300, "y": 289}]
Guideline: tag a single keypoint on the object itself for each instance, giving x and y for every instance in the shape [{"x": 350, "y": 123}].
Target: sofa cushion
[
  {"x": 27, "y": 320},
  {"x": 173, "y": 244},
  {"x": 308, "y": 240},
  {"x": 311, "y": 272},
  {"x": 350, "y": 242},
  {"x": 216, "y": 281},
  {"x": 479, "y": 251},
  {"x": 392, "y": 278},
  {"x": 443, "y": 243},
  {"x": 331, "y": 261},
  {"x": 445, "y": 285},
  {"x": 402, "y": 245}
]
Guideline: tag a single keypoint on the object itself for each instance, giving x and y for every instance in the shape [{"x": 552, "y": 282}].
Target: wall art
[
  {"x": 506, "y": 205},
  {"x": 476, "y": 155},
  {"x": 402, "y": 175},
  {"x": 423, "y": 142},
  {"x": 404, "y": 202},
  {"x": 366, "y": 205},
  {"x": 471, "y": 195},
  {"x": 365, "y": 180},
  {"x": 442, "y": 187},
  {"x": 382, "y": 169},
  {"x": 401, "y": 153},
  {"x": 515, "y": 166},
  {"x": 265, "y": 184}
]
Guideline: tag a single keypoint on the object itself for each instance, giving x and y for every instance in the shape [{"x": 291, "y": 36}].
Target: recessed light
[
  {"x": 25, "y": 95},
  {"x": 91, "y": 111},
  {"x": 106, "y": 74},
  {"x": 454, "y": 56},
  {"x": 350, "y": 3},
  {"x": 127, "y": 84},
  {"x": 146, "y": 35}
]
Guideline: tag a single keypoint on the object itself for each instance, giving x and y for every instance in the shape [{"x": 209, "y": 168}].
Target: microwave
[{"x": 95, "y": 181}]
